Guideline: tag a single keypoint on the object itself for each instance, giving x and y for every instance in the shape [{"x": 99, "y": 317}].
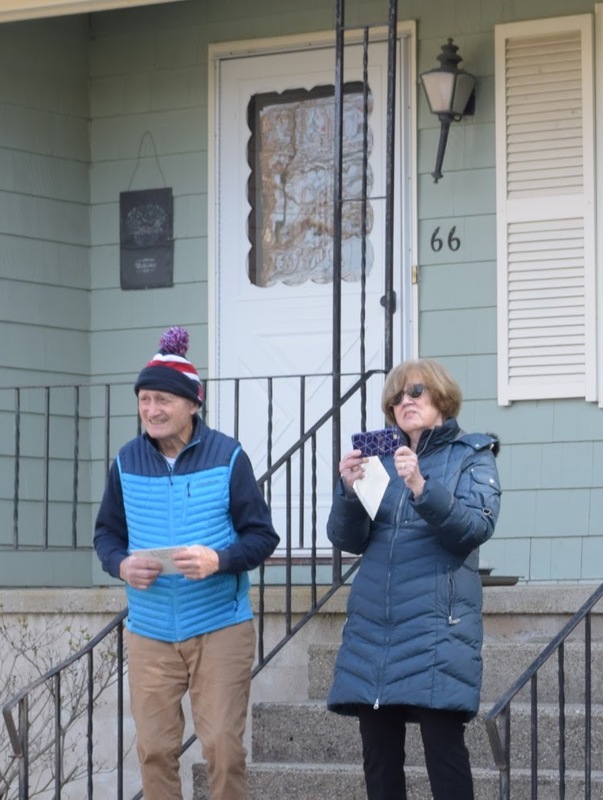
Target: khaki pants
[{"x": 215, "y": 669}]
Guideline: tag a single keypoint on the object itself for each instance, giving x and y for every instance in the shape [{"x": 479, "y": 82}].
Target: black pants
[{"x": 383, "y": 733}]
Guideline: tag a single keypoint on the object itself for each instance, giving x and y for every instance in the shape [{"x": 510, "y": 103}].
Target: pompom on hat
[{"x": 169, "y": 370}]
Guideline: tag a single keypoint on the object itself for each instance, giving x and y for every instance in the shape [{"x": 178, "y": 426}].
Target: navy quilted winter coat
[{"x": 413, "y": 633}]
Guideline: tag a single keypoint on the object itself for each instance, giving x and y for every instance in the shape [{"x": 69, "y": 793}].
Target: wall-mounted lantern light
[{"x": 450, "y": 92}]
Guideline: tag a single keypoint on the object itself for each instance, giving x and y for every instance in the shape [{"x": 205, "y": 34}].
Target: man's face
[{"x": 166, "y": 416}]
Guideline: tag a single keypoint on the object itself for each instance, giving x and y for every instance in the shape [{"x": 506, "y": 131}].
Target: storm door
[{"x": 272, "y": 277}]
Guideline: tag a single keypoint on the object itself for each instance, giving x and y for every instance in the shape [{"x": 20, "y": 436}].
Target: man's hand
[
  {"x": 139, "y": 572},
  {"x": 196, "y": 561}
]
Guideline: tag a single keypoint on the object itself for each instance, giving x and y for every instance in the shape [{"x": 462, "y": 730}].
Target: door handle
[{"x": 392, "y": 305}]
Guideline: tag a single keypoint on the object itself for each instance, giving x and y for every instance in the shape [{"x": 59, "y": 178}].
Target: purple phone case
[{"x": 377, "y": 443}]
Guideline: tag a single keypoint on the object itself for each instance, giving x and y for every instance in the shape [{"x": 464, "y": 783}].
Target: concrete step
[
  {"x": 504, "y": 662},
  {"x": 306, "y": 732},
  {"x": 346, "y": 782}
]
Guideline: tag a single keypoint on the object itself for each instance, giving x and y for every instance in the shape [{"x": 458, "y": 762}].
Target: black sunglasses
[{"x": 414, "y": 390}]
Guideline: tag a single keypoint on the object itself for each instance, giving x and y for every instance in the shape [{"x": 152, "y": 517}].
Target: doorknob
[{"x": 392, "y": 305}]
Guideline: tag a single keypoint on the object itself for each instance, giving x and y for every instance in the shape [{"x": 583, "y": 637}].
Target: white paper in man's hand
[
  {"x": 162, "y": 554},
  {"x": 371, "y": 488}
]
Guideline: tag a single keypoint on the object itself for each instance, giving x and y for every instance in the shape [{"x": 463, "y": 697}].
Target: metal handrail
[
  {"x": 313, "y": 430},
  {"x": 19, "y": 735},
  {"x": 18, "y": 697},
  {"x": 500, "y": 742}
]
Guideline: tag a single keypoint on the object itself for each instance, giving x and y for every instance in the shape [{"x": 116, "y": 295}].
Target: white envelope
[{"x": 371, "y": 488}]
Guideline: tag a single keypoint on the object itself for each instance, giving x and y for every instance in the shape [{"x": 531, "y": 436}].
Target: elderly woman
[{"x": 411, "y": 648}]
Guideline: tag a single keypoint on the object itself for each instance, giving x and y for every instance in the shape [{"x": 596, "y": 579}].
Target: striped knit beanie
[{"x": 169, "y": 370}]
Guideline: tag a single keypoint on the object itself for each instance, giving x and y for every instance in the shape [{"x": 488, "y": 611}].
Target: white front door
[{"x": 273, "y": 260}]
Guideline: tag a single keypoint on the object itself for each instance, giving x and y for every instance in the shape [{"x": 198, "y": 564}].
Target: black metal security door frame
[{"x": 389, "y": 297}]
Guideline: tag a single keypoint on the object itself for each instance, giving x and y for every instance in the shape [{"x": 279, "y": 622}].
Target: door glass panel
[{"x": 290, "y": 188}]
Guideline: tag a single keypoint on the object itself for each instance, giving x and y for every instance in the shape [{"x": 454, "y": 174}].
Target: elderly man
[{"x": 181, "y": 522}]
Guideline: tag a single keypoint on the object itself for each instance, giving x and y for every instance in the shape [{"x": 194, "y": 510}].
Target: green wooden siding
[{"x": 44, "y": 201}]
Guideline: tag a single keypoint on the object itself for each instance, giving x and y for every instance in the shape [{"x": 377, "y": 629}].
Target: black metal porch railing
[
  {"x": 499, "y": 719},
  {"x": 38, "y": 741},
  {"x": 57, "y": 442}
]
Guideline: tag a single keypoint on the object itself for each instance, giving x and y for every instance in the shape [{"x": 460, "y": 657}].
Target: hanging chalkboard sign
[{"x": 146, "y": 238}]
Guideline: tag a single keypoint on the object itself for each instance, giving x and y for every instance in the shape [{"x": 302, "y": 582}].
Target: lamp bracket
[{"x": 470, "y": 107}]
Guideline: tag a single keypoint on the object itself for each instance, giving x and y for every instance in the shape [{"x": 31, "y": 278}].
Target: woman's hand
[
  {"x": 350, "y": 468},
  {"x": 407, "y": 467}
]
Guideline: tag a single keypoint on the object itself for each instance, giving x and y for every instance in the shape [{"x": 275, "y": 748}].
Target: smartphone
[{"x": 377, "y": 443}]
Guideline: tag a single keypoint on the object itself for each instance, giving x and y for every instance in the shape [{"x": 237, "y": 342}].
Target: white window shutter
[{"x": 545, "y": 209}]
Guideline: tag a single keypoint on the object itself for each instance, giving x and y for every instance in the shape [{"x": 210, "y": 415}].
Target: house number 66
[{"x": 437, "y": 243}]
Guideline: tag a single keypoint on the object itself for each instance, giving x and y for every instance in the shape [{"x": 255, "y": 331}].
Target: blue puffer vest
[
  {"x": 188, "y": 504},
  {"x": 413, "y": 633}
]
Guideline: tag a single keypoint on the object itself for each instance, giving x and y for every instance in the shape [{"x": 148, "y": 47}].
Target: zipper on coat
[
  {"x": 452, "y": 620},
  {"x": 388, "y": 583},
  {"x": 237, "y": 587}
]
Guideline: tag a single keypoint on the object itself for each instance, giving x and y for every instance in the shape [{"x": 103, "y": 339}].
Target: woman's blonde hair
[{"x": 446, "y": 394}]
